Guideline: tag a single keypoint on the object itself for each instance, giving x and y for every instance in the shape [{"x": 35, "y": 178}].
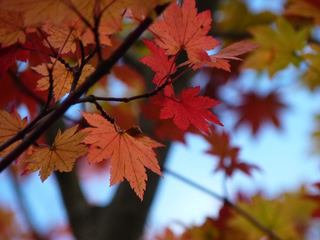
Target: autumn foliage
[{"x": 59, "y": 54}]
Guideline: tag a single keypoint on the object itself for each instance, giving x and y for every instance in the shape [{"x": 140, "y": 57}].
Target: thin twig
[
  {"x": 103, "y": 113},
  {"x": 72, "y": 7},
  {"x": 92, "y": 98},
  {"x": 21, "y": 134},
  {"x": 97, "y": 37},
  {"x": 103, "y": 68},
  {"x": 225, "y": 200}
]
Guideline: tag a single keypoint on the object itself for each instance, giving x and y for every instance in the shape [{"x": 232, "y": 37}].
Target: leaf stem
[
  {"x": 136, "y": 97},
  {"x": 103, "y": 68}
]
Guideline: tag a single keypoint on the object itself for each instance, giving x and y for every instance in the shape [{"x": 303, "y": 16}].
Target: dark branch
[
  {"x": 93, "y": 98},
  {"x": 21, "y": 134},
  {"x": 215, "y": 195},
  {"x": 103, "y": 68}
]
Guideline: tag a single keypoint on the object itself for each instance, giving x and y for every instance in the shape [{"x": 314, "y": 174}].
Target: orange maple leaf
[
  {"x": 10, "y": 125},
  {"x": 65, "y": 37},
  {"x": 129, "y": 150},
  {"x": 62, "y": 77},
  {"x": 11, "y": 28},
  {"x": 183, "y": 28},
  {"x": 221, "y": 59},
  {"x": 61, "y": 156}
]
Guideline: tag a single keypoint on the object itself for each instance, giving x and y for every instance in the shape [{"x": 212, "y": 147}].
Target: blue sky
[{"x": 284, "y": 156}]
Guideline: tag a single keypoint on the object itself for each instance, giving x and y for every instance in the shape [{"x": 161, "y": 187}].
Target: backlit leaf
[
  {"x": 62, "y": 77},
  {"x": 182, "y": 28},
  {"x": 10, "y": 125},
  {"x": 278, "y": 46},
  {"x": 257, "y": 110},
  {"x": 60, "y": 156},
  {"x": 189, "y": 109},
  {"x": 129, "y": 151}
]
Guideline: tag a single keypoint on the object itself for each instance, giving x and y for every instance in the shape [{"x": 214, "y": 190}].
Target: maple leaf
[
  {"x": 10, "y": 125},
  {"x": 159, "y": 62},
  {"x": 11, "y": 28},
  {"x": 316, "y": 199},
  {"x": 15, "y": 95},
  {"x": 129, "y": 151},
  {"x": 311, "y": 77},
  {"x": 231, "y": 52},
  {"x": 256, "y": 110},
  {"x": 60, "y": 156},
  {"x": 62, "y": 37},
  {"x": 62, "y": 77},
  {"x": 140, "y": 8},
  {"x": 238, "y": 17},
  {"x": 9, "y": 56},
  {"x": 182, "y": 28},
  {"x": 39, "y": 11},
  {"x": 278, "y": 46},
  {"x": 189, "y": 109},
  {"x": 66, "y": 37},
  {"x": 227, "y": 154},
  {"x": 288, "y": 215},
  {"x": 304, "y": 8}
]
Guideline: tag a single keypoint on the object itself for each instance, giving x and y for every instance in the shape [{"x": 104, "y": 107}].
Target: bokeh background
[{"x": 286, "y": 158}]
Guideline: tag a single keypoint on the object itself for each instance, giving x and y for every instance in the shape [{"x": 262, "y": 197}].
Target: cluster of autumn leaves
[
  {"x": 289, "y": 215},
  {"x": 56, "y": 38},
  {"x": 65, "y": 44}
]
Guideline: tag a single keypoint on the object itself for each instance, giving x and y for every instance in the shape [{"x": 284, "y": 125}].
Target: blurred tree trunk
[{"x": 125, "y": 217}]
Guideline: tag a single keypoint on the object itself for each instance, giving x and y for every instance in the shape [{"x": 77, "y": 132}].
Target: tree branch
[
  {"x": 103, "y": 68},
  {"x": 93, "y": 98},
  {"x": 79, "y": 212},
  {"x": 225, "y": 200}
]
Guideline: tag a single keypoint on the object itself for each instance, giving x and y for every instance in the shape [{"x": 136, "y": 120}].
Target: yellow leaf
[
  {"x": 279, "y": 46},
  {"x": 61, "y": 156},
  {"x": 11, "y": 28},
  {"x": 39, "y": 11},
  {"x": 311, "y": 77},
  {"x": 234, "y": 22},
  {"x": 287, "y": 215},
  {"x": 10, "y": 125},
  {"x": 62, "y": 78}
]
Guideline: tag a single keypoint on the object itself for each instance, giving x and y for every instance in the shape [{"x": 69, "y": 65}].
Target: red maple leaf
[
  {"x": 189, "y": 109},
  {"x": 159, "y": 62},
  {"x": 182, "y": 28},
  {"x": 256, "y": 110},
  {"x": 20, "y": 89},
  {"x": 227, "y": 154},
  {"x": 9, "y": 56}
]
